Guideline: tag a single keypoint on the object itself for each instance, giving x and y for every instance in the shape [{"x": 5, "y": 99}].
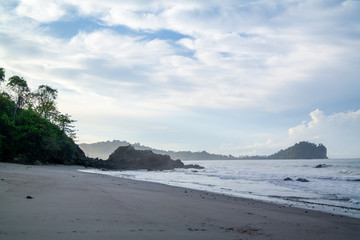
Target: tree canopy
[
  {"x": 45, "y": 104},
  {"x": 32, "y": 130}
]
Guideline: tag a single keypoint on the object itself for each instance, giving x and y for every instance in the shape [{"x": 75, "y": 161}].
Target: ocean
[{"x": 333, "y": 188}]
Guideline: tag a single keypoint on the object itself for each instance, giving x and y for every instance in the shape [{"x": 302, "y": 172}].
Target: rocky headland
[{"x": 128, "y": 158}]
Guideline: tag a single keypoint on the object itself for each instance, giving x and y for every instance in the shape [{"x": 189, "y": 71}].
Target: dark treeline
[{"x": 32, "y": 130}]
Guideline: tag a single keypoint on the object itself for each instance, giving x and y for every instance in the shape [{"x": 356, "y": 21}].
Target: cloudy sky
[{"x": 231, "y": 77}]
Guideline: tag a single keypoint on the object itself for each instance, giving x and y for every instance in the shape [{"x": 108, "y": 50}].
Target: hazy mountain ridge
[
  {"x": 104, "y": 149},
  {"x": 101, "y": 149},
  {"x": 301, "y": 150}
]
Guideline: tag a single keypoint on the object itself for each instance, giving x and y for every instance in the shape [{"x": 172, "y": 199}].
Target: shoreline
[
  {"x": 67, "y": 203},
  {"x": 260, "y": 186},
  {"x": 284, "y": 202}
]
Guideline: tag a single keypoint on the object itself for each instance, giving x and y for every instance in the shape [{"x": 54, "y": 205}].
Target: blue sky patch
[
  {"x": 68, "y": 29},
  {"x": 164, "y": 35}
]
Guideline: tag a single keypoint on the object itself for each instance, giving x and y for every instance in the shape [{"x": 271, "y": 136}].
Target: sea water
[{"x": 333, "y": 188}]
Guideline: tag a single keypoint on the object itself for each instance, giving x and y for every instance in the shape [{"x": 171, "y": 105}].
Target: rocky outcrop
[
  {"x": 127, "y": 158},
  {"x": 322, "y": 166},
  {"x": 302, "y": 180},
  {"x": 299, "y": 179}
]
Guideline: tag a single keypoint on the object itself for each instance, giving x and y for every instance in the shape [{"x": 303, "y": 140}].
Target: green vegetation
[{"x": 32, "y": 130}]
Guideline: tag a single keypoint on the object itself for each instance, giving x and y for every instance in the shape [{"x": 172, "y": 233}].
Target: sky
[{"x": 229, "y": 77}]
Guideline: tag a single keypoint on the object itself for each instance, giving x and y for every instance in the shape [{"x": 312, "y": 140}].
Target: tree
[
  {"x": 2, "y": 75},
  {"x": 28, "y": 137},
  {"x": 6, "y": 124},
  {"x": 21, "y": 90},
  {"x": 45, "y": 98},
  {"x": 64, "y": 122}
]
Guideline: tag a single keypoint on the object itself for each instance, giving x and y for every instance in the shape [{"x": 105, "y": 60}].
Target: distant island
[{"x": 301, "y": 150}]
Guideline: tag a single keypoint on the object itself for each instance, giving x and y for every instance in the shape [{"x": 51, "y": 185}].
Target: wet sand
[{"x": 59, "y": 202}]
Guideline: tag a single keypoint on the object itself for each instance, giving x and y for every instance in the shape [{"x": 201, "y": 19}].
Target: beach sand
[{"x": 59, "y": 202}]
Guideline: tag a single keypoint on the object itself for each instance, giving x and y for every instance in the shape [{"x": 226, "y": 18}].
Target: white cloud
[
  {"x": 244, "y": 55},
  {"x": 41, "y": 10},
  {"x": 339, "y": 132},
  {"x": 120, "y": 50}
]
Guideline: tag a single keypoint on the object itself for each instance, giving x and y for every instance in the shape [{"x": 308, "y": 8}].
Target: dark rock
[
  {"x": 193, "y": 166},
  {"x": 321, "y": 166},
  {"x": 302, "y": 180},
  {"x": 127, "y": 157},
  {"x": 287, "y": 179},
  {"x": 29, "y": 197}
]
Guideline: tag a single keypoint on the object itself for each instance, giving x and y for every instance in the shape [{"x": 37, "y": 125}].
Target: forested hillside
[{"x": 32, "y": 130}]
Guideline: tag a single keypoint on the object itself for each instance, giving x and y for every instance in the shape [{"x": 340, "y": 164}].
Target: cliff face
[{"x": 127, "y": 158}]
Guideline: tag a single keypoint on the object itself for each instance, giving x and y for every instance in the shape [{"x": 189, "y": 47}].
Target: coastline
[
  {"x": 70, "y": 204},
  {"x": 332, "y": 189}
]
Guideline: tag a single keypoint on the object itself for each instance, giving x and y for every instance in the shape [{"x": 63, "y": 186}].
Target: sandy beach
[{"x": 59, "y": 202}]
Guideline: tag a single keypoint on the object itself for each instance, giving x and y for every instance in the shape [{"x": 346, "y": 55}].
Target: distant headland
[{"x": 301, "y": 150}]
